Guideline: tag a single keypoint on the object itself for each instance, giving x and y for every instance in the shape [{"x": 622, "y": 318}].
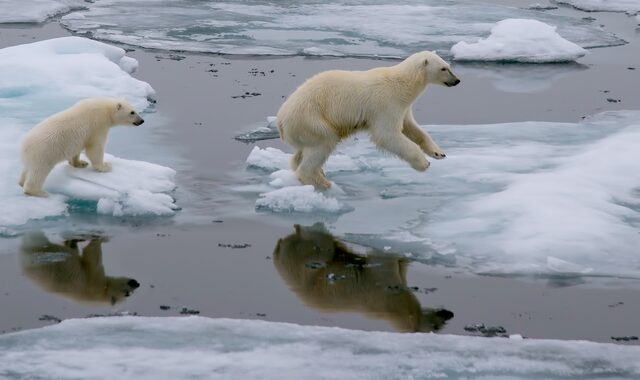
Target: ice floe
[
  {"x": 333, "y": 28},
  {"x": 198, "y": 347},
  {"x": 519, "y": 40},
  {"x": 518, "y": 198},
  {"x": 604, "y": 5},
  {"x": 33, "y": 11},
  {"x": 41, "y": 78}
]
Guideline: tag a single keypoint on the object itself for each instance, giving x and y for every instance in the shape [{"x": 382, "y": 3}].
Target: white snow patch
[
  {"x": 198, "y": 347},
  {"x": 519, "y": 40},
  {"x": 303, "y": 199}
]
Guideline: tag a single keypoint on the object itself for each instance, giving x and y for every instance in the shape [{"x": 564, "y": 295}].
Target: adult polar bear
[
  {"x": 332, "y": 105},
  {"x": 63, "y": 136}
]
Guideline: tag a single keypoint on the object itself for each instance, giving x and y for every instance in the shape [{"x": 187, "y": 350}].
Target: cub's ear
[
  {"x": 119, "y": 107},
  {"x": 426, "y": 62}
]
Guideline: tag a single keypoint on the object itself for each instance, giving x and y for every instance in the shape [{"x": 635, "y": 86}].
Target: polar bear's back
[{"x": 339, "y": 99}]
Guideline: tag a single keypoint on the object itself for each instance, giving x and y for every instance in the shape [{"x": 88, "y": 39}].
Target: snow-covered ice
[
  {"x": 332, "y": 28},
  {"x": 39, "y": 79},
  {"x": 604, "y": 5},
  {"x": 197, "y": 347},
  {"x": 33, "y": 11},
  {"x": 519, "y": 40},
  {"x": 516, "y": 198}
]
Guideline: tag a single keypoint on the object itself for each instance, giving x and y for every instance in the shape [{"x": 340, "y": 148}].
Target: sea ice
[
  {"x": 517, "y": 198},
  {"x": 198, "y": 347},
  {"x": 519, "y": 40},
  {"x": 332, "y": 28},
  {"x": 35, "y": 10},
  {"x": 41, "y": 78},
  {"x": 604, "y": 5}
]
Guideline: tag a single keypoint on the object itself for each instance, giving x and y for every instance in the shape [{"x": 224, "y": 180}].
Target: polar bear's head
[
  {"x": 434, "y": 68},
  {"x": 125, "y": 114}
]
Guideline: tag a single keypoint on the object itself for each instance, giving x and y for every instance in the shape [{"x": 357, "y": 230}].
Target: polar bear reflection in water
[
  {"x": 63, "y": 270},
  {"x": 328, "y": 276}
]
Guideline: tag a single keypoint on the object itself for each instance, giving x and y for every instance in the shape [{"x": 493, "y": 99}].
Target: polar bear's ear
[
  {"x": 119, "y": 107},
  {"x": 426, "y": 62}
]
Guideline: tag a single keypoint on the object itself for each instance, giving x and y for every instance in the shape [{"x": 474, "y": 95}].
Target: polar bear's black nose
[
  {"x": 456, "y": 82},
  {"x": 138, "y": 122},
  {"x": 133, "y": 284}
]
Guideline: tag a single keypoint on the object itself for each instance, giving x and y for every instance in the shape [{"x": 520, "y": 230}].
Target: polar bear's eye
[
  {"x": 443, "y": 69},
  {"x": 132, "y": 112}
]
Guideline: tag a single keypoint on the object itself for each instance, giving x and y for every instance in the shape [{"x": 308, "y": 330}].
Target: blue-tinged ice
[
  {"x": 203, "y": 348},
  {"x": 42, "y": 78},
  {"x": 334, "y": 28},
  {"x": 515, "y": 198}
]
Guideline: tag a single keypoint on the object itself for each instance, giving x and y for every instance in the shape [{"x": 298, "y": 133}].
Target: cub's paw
[
  {"x": 36, "y": 193},
  {"x": 104, "y": 168},
  {"x": 79, "y": 164}
]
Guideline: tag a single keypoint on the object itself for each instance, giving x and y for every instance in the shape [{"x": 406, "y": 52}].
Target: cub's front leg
[{"x": 95, "y": 153}]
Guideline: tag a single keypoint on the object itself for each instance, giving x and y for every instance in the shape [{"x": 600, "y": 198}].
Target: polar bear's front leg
[
  {"x": 95, "y": 153},
  {"x": 76, "y": 162},
  {"x": 411, "y": 129},
  {"x": 393, "y": 140}
]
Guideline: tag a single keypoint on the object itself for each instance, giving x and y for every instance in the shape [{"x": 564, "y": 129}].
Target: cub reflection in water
[
  {"x": 61, "y": 269},
  {"x": 328, "y": 276}
]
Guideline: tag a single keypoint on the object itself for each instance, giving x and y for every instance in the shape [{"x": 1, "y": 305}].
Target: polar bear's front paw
[
  {"x": 435, "y": 152},
  {"x": 104, "y": 168}
]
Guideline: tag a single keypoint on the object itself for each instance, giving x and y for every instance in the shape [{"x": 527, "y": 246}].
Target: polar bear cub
[
  {"x": 63, "y": 136},
  {"x": 332, "y": 105}
]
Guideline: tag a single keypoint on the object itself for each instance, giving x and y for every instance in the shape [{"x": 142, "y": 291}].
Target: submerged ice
[
  {"x": 311, "y": 27},
  {"x": 517, "y": 198},
  {"x": 197, "y": 347},
  {"x": 39, "y": 79}
]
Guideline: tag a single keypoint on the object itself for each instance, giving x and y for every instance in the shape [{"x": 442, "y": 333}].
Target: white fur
[
  {"x": 63, "y": 136},
  {"x": 332, "y": 105}
]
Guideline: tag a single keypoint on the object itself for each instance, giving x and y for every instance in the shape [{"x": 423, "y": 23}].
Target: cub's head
[
  {"x": 435, "y": 69},
  {"x": 125, "y": 114}
]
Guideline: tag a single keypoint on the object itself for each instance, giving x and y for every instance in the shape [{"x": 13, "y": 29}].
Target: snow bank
[
  {"x": 197, "y": 347},
  {"x": 39, "y": 79},
  {"x": 519, "y": 40},
  {"x": 35, "y": 10},
  {"x": 604, "y": 5},
  {"x": 518, "y": 198}
]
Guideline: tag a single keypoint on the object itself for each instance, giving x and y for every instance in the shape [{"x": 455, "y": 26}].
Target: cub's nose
[
  {"x": 456, "y": 81},
  {"x": 138, "y": 122},
  {"x": 133, "y": 284}
]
